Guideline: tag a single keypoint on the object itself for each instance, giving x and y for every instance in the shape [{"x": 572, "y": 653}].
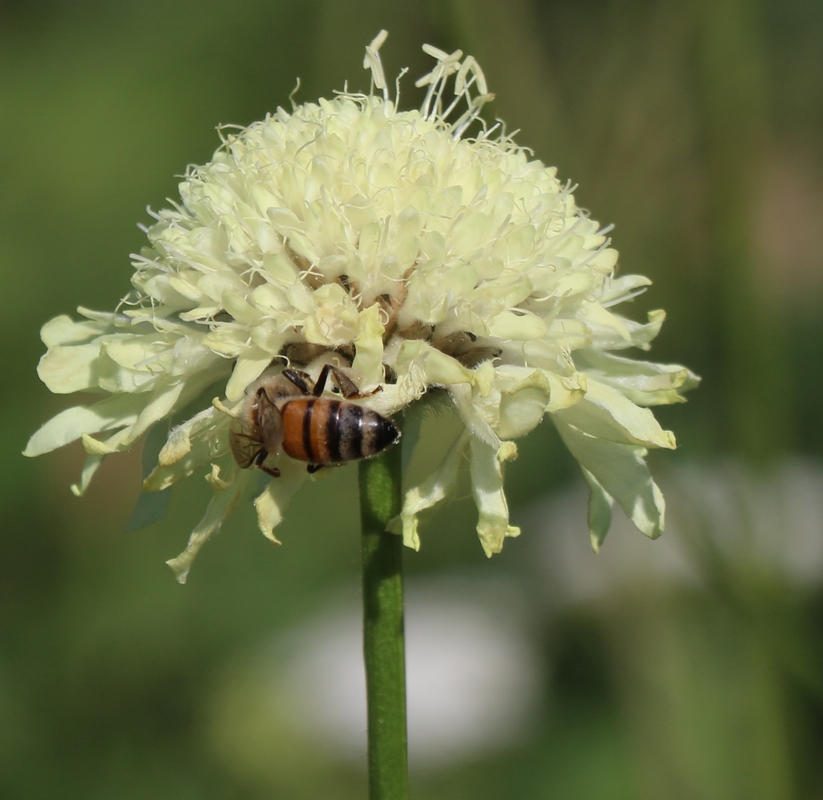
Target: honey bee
[{"x": 283, "y": 412}]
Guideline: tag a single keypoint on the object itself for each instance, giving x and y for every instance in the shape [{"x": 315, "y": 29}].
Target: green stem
[{"x": 383, "y": 638}]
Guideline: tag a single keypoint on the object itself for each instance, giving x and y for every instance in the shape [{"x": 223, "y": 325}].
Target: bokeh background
[{"x": 690, "y": 667}]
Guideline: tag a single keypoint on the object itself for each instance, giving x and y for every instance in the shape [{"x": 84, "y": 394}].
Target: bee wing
[
  {"x": 270, "y": 424},
  {"x": 244, "y": 445}
]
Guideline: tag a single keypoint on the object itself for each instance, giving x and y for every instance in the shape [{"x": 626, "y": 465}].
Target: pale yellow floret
[{"x": 419, "y": 247}]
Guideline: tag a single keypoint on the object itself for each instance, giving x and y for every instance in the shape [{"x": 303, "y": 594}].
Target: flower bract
[{"x": 416, "y": 249}]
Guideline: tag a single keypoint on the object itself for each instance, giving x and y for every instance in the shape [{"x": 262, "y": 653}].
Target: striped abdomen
[{"x": 322, "y": 430}]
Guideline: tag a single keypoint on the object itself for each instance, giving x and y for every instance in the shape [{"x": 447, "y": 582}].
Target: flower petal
[
  {"x": 227, "y": 495},
  {"x": 64, "y": 331},
  {"x": 470, "y": 413},
  {"x": 523, "y": 401},
  {"x": 618, "y": 290},
  {"x": 273, "y": 503},
  {"x": 605, "y": 413},
  {"x": 622, "y": 473},
  {"x": 600, "y": 511},
  {"x": 70, "y": 369},
  {"x": 160, "y": 405},
  {"x": 436, "y": 488},
  {"x": 189, "y": 447},
  {"x": 487, "y": 488},
  {"x": 248, "y": 368},
  {"x": 599, "y": 316},
  {"x": 69, "y": 425},
  {"x": 95, "y": 459},
  {"x": 368, "y": 346},
  {"x": 523, "y": 326},
  {"x": 643, "y": 382}
]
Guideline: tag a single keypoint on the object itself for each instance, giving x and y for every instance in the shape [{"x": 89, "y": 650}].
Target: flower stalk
[{"x": 383, "y": 636}]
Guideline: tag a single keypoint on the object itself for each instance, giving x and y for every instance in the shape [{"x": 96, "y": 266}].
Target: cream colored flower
[{"x": 397, "y": 243}]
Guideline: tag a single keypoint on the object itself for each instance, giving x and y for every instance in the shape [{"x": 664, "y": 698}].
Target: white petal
[
  {"x": 70, "y": 369},
  {"x": 522, "y": 326},
  {"x": 239, "y": 308},
  {"x": 160, "y": 405},
  {"x": 469, "y": 411},
  {"x": 607, "y": 414},
  {"x": 599, "y": 316},
  {"x": 167, "y": 399},
  {"x": 68, "y": 425},
  {"x": 436, "y": 488},
  {"x": 90, "y": 467},
  {"x": 63, "y": 330},
  {"x": 438, "y": 368},
  {"x": 273, "y": 503},
  {"x": 565, "y": 391},
  {"x": 641, "y": 334},
  {"x": 487, "y": 488},
  {"x": 623, "y": 474},
  {"x": 643, "y": 382},
  {"x": 136, "y": 352},
  {"x": 368, "y": 344},
  {"x": 623, "y": 288},
  {"x": 248, "y": 368},
  {"x": 95, "y": 459},
  {"x": 600, "y": 511},
  {"x": 190, "y": 447},
  {"x": 222, "y": 504},
  {"x": 522, "y": 403}
]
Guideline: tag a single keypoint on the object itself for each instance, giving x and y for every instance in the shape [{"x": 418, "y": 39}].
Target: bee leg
[
  {"x": 259, "y": 460},
  {"x": 321, "y": 380},
  {"x": 312, "y": 468},
  {"x": 348, "y": 388},
  {"x": 299, "y": 379}
]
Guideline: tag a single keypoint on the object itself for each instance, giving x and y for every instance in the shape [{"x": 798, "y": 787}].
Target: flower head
[{"x": 396, "y": 245}]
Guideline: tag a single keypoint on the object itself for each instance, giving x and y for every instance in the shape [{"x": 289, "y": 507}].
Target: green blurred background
[{"x": 695, "y": 127}]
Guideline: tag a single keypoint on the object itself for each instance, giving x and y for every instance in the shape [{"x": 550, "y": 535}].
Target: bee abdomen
[
  {"x": 362, "y": 433},
  {"x": 327, "y": 431}
]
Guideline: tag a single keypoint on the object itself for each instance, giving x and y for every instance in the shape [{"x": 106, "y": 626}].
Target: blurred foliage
[{"x": 697, "y": 128}]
